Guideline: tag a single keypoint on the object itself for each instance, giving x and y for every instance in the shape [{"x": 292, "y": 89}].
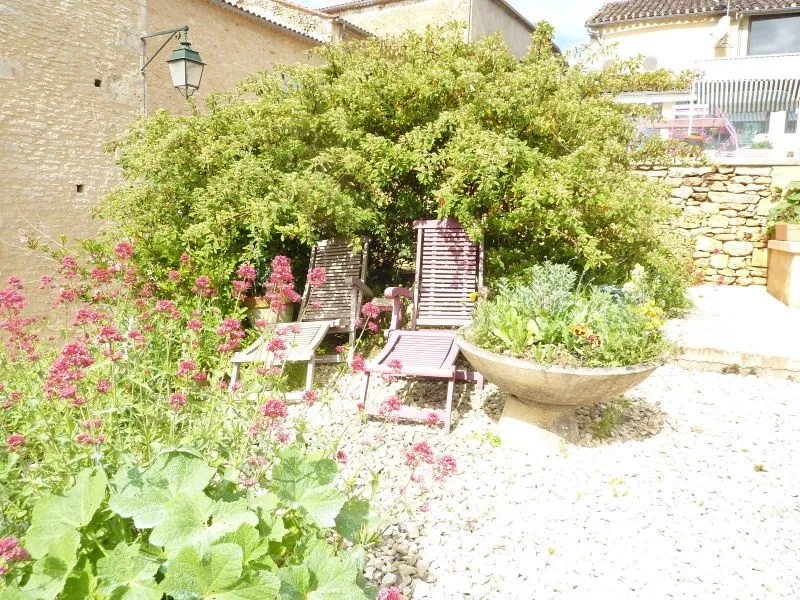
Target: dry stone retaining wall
[{"x": 725, "y": 210}]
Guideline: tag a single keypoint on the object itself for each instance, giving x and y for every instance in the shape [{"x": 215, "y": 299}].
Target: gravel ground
[{"x": 692, "y": 493}]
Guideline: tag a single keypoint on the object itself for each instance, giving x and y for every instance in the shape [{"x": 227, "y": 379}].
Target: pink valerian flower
[
  {"x": 277, "y": 345},
  {"x": 247, "y": 482},
  {"x": 68, "y": 369},
  {"x": 11, "y": 551},
  {"x": 200, "y": 377},
  {"x": 45, "y": 282},
  {"x": 237, "y": 386},
  {"x": 66, "y": 295},
  {"x": 390, "y": 593},
  {"x": 87, "y": 439},
  {"x": 168, "y": 308},
  {"x": 341, "y": 349},
  {"x": 101, "y": 275},
  {"x": 425, "y": 507},
  {"x": 358, "y": 364},
  {"x": 78, "y": 401},
  {"x": 240, "y": 287},
  {"x": 12, "y": 301},
  {"x": 432, "y": 420},
  {"x": 281, "y": 271},
  {"x": 371, "y": 310},
  {"x": 445, "y": 467},
  {"x": 90, "y": 424},
  {"x": 261, "y": 323},
  {"x": 420, "y": 453},
  {"x": 361, "y": 407},
  {"x": 14, "y": 282},
  {"x": 281, "y": 436},
  {"x": 274, "y": 409},
  {"x": 341, "y": 457},
  {"x": 69, "y": 267},
  {"x": 137, "y": 337},
  {"x": 231, "y": 332},
  {"x": 317, "y": 277},
  {"x": 103, "y": 386},
  {"x": 263, "y": 371},
  {"x": 373, "y": 326},
  {"x": 177, "y": 401},
  {"x": 109, "y": 334},
  {"x": 256, "y": 461},
  {"x": 14, "y": 441},
  {"x": 391, "y": 405},
  {"x": 246, "y": 272},
  {"x": 124, "y": 250},
  {"x": 185, "y": 368},
  {"x": 174, "y": 275},
  {"x": 310, "y": 397},
  {"x": 194, "y": 324},
  {"x": 185, "y": 258},
  {"x": 87, "y": 316},
  {"x": 201, "y": 283}
]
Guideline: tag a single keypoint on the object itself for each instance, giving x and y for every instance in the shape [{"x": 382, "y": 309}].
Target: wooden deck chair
[
  {"x": 332, "y": 308},
  {"x": 449, "y": 267}
]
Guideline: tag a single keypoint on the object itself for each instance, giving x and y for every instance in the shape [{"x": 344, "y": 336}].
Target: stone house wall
[{"x": 725, "y": 210}]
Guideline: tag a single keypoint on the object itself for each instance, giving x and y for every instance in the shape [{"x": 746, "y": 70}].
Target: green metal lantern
[{"x": 186, "y": 69}]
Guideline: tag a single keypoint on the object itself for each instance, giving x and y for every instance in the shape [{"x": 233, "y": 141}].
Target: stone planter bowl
[{"x": 549, "y": 395}]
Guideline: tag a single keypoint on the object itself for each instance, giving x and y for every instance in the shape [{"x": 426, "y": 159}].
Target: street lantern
[{"x": 186, "y": 69}]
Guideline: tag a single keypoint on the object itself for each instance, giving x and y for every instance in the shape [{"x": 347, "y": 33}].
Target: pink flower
[
  {"x": 87, "y": 316},
  {"x": 200, "y": 377},
  {"x": 361, "y": 406},
  {"x": 185, "y": 258},
  {"x": 373, "y": 326},
  {"x": 261, "y": 323},
  {"x": 317, "y": 277},
  {"x": 256, "y": 461},
  {"x": 444, "y": 467},
  {"x": 240, "y": 287},
  {"x": 124, "y": 250},
  {"x": 14, "y": 282},
  {"x": 341, "y": 349},
  {"x": 109, "y": 334},
  {"x": 177, "y": 401},
  {"x": 358, "y": 364},
  {"x": 45, "y": 281},
  {"x": 11, "y": 551},
  {"x": 371, "y": 310},
  {"x": 341, "y": 457},
  {"x": 69, "y": 267},
  {"x": 310, "y": 397},
  {"x": 90, "y": 424},
  {"x": 87, "y": 440},
  {"x": 274, "y": 409},
  {"x": 390, "y": 405},
  {"x": 420, "y": 453},
  {"x": 103, "y": 386},
  {"x": 12, "y": 301},
  {"x": 185, "y": 367},
  {"x": 78, "y": 401},
  {"x": 194, "y": 324},
  {"x": 432, "y": 420},
  {"x": 390, "y": 593},
  {"x": 247, "y": 482},
  {"x": 276, "y": 345},
  {"x": 14, "y": 441},
  {"x": 395, "y": 365},
  {"x": 247, "y": 272},
  {"x": 168, "y": 308},
  {"x": 174, "y": 275}
]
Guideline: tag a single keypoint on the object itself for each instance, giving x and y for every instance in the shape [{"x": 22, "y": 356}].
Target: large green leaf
[
  {"x": 191, "y": 575},
  {"x": 295, "y": 582},
  {"x": 183, "y": 521},
  {"x": 261, "y": 586},
  {"x": 50, "y": 571},
  {"x": 307, "y": 484},
  {"x": 127, "y": 574},
  {"x": 335, "y": 577},
  {"x": 55, "y": 515},
  {"x": 353, "y": 518},
  {"x": 147, "y": 497}
]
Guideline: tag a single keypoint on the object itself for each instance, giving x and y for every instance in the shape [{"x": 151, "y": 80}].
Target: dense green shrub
[
  {"x": 533, "y": 155},
  {"x": 788, "y": 210}
]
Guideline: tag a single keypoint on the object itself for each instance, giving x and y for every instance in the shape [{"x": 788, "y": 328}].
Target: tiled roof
[
  {"x": 636, "y": 10},
  {"x": 355, "y": 4},
  {"x": 235, "y": 4}
]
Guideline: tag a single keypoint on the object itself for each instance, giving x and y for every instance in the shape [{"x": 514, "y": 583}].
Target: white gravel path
[{"x": 685, "y": 513}]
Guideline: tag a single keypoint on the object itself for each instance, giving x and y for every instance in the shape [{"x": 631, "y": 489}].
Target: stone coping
[{"x": 783, "y": 246}]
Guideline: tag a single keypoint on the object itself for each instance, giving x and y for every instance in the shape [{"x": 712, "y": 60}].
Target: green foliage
[
  {"x": 543, "y": 316},
  {"x": 788, "y": 210},
  {"x": 533, "y": 155},
  {"x": 213, "y": 548}
]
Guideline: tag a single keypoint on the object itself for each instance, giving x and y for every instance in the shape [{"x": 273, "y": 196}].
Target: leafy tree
[{"x": 533, "y": 155}]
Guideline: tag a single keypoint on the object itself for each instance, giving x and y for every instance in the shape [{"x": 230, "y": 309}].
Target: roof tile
[{"x": 635, "y": 10}]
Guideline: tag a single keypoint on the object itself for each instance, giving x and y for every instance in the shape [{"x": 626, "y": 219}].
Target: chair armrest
[
  {"x": 360, "y": 286},
  {"x": 397, "y": 294}
]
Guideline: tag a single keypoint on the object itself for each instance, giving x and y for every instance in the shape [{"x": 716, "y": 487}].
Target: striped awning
[{"x": 749, "y": 95}]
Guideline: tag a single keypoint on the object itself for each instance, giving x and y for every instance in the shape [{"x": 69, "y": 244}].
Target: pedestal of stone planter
[
  {"x": 783, "y": 275},
  {"x": 546, "y": 396}
]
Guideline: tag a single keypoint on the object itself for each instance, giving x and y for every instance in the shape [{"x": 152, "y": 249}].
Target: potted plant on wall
[
  {"x": 557, "y": 344},
  {"x": 269, "y": 297},
  {"x": 786, "y": 215},
  {"x": 783, "y": 271}
]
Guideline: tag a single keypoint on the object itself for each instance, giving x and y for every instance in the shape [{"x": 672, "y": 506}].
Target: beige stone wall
[
  {"x": 724, "y": 210},
  {"x": 396, "y": 17},
  {"x": 489, "y": 17},
  {"x": 232, "y": 44},
  {"x": 68, "y": 83}
]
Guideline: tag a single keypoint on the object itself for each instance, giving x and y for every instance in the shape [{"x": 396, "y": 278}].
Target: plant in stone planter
[
  {"x": 556, "y": 343},
  {"x": 272, "y": 298},
  {"x": 786, "y": 215}
]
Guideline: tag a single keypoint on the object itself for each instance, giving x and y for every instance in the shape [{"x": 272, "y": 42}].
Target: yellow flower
[
  {"x": 473, "y": 296},
  {"x": 581, "y": 331}
]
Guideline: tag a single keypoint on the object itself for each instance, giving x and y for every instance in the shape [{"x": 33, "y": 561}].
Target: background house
[
  {"x": 482, "y": 17},
  {"x": 746, "y": 53},
  {"x": 70, "y": 82}
]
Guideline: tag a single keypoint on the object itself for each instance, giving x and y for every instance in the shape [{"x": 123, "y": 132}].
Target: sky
[{"x": 567, "y": 16}]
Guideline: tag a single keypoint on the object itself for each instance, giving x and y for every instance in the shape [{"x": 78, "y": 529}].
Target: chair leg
[
  {"x": 478, "y": 382},
  {"x": 351, "y": 347},
  {"x": 234, "y": 375},
  {"x": 451, "y": 384},
  {"x": 365, "y": 392},
  {"x": 310, "y": 373}
]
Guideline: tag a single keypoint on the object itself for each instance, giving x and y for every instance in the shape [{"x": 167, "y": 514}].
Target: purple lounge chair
[{"x": 449, "y": 269}]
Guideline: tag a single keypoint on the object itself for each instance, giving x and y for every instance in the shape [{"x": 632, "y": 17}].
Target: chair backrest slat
[
  {"x": 449, "y": 269},
  {"x": 337, "y": 298}
]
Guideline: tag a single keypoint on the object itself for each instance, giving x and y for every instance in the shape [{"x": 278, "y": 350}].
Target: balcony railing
[{"x": 768, "y": 66}]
